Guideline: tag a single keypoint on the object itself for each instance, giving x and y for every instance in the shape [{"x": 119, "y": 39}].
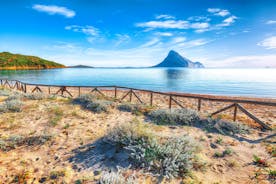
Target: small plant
[
  {"x": 117, "y": 178},
  {"x": 226, "y": 152},
  {"x": 99, "y": 106},
  {"x": 34, "y": 96},
  {"x": 4, "y": 92},
  {"x": 219, "y": 140},
  {"x": 218, "y": 154},
  {"x": 55, "y": 115},
  {"x": 56, "y": 174},
  {"x": 137, "y": 109},
  {"x": 228, "y": 127},
  {"x": 232, "y": 163},
  {"x": 11, "y": 106},
  {"x": 16, "y": 140},
  {"x": 174, "y": 116},
  {"x": 259, "y": 161},
  {"x": 93, "y": 103},
  {"x": 271, "y": 174}
]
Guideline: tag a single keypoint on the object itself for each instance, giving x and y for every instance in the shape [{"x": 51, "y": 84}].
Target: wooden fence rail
[{"x": 132, "y": 92}]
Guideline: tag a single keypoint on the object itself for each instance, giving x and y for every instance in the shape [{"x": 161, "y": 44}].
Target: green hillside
[{"x": 11, "y": 61}]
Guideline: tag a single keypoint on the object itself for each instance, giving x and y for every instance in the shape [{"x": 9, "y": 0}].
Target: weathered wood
[
  {"x": 254, "y": 117},
  {"x": 235, "y": 112},
  {"x": 199, "y": 104},
  {"x": 62, "y": 90},
  {"x": 37, "y": 89},
  {"x": 125, "y": 95},
  {"x": 137, "y": 97},
  {"x": 223, "y": 109},
  {"x": 115, "y": 92},
  {"x": 79, "y": 91},
  {"x": 170, "y": 102},
  {"x": 49, "y": 90},
  {"x": 151, "y": 99},
  {"x": 130, "y": 95},
  {"x": 98, "y": 91},
  {"x": 177, "y": 103}
]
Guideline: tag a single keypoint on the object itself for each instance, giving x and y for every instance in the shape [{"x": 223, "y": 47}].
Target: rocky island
[{"x": 174, "y": 59}]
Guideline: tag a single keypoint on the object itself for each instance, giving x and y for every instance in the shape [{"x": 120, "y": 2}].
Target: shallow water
[{"x": 236, "y": 82}]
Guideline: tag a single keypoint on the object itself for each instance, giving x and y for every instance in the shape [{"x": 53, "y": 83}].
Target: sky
[{"x": 115, "y": 33}]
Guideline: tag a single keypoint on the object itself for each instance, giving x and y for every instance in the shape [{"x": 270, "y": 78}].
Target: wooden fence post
[
  {"x": 49, "y": 90},
  {"x": 151, "y": 98},
  {"x": 199, "y": 104},
  {"x": 115, "y": 92},
  {"x": 130, "y": 95},
  {"x": 170, "y": 102},
  {"x": 235, "y": 112},
  {"x": 79, "y": 91}
]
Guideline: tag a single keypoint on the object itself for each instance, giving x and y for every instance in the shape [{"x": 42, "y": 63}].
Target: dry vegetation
[{"x": 91, "y": 139}]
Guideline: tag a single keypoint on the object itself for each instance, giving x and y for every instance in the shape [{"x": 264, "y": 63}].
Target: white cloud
[
  {"x": 122, "y": 39},
  {"x": 88, "y": 30},
  {"x": 228, "y": 21},
  {"x": 52, "y": 10},
  {"x": 167, "y": 34},
  {"x": 164, "y": 16},
  {"x": 170, "y": 24},
  {"x": 271, "y": 22},
  {"x": 200, "y": 25},
  {"x": 268, "y": 43},
  {"x": 245, "y": 61},
  {"x": 194, "y": 43},
  {"x": 178, "y": 39},
  {"x": 218, "y": 12}
]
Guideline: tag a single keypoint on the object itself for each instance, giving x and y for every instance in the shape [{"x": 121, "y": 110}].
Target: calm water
[{"x": 237, "y": 82}]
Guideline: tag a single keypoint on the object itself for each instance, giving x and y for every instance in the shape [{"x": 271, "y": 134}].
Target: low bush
[
  {"x": 225, "y": 127},
  {"x": 84, "y": 99},
  {"x": 99, "y": 106},
  {"x": 137, "y": 109},
  {"x": 16, "y": 140},
  {"x": 230, "y": 127},
  {"x": 174, "y": 117},
  {"x": 117, "y": 178},
  {"x": 93, "y": 103},
  {"x": 4, "y": 92},
  {"x": 168, "y": 157},
  {"x": 56, "y": 115},
  {"x": 11, "y": 106}
]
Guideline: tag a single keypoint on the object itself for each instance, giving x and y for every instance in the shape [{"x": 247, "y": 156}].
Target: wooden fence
[{"x": 235, "y": 103}]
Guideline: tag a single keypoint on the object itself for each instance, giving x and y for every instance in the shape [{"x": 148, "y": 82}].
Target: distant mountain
[
  {"x": 80, "y": 66},
  {"x": 9, "y": 61},
  {"x": 176, "y": 60}
]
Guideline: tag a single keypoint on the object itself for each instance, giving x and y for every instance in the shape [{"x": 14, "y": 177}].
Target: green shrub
[
  {"x": 56, "y": 114},
  {"x": 117, "y": 178},
  {"x": 174, "y": 116},
  {"x": 93, "y": 103},
  {"x": 168, "y": 157},
  {"x": 230, "y": 127},
  {"x": 4, "y": 92},
  {"x": 16, "y": 140},
  {"x": 11, "y": 106},
  {"x": 137, "y": 109},
  {"x": 84, "y": 99},
  {"x": 99, "y": 106}
]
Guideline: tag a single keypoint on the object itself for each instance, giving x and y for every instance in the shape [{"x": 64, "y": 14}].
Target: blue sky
[{"x": 218, "y": 33}]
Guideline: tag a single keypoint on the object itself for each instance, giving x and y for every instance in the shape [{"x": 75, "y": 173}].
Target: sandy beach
[{"x": 70, "y": 155}]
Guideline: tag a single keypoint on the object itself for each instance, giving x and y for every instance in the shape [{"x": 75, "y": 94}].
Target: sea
[{"x": 217, "y": 81}]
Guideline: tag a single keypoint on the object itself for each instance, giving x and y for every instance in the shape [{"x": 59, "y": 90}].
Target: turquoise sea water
[{"x": 235, "y": 82}]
